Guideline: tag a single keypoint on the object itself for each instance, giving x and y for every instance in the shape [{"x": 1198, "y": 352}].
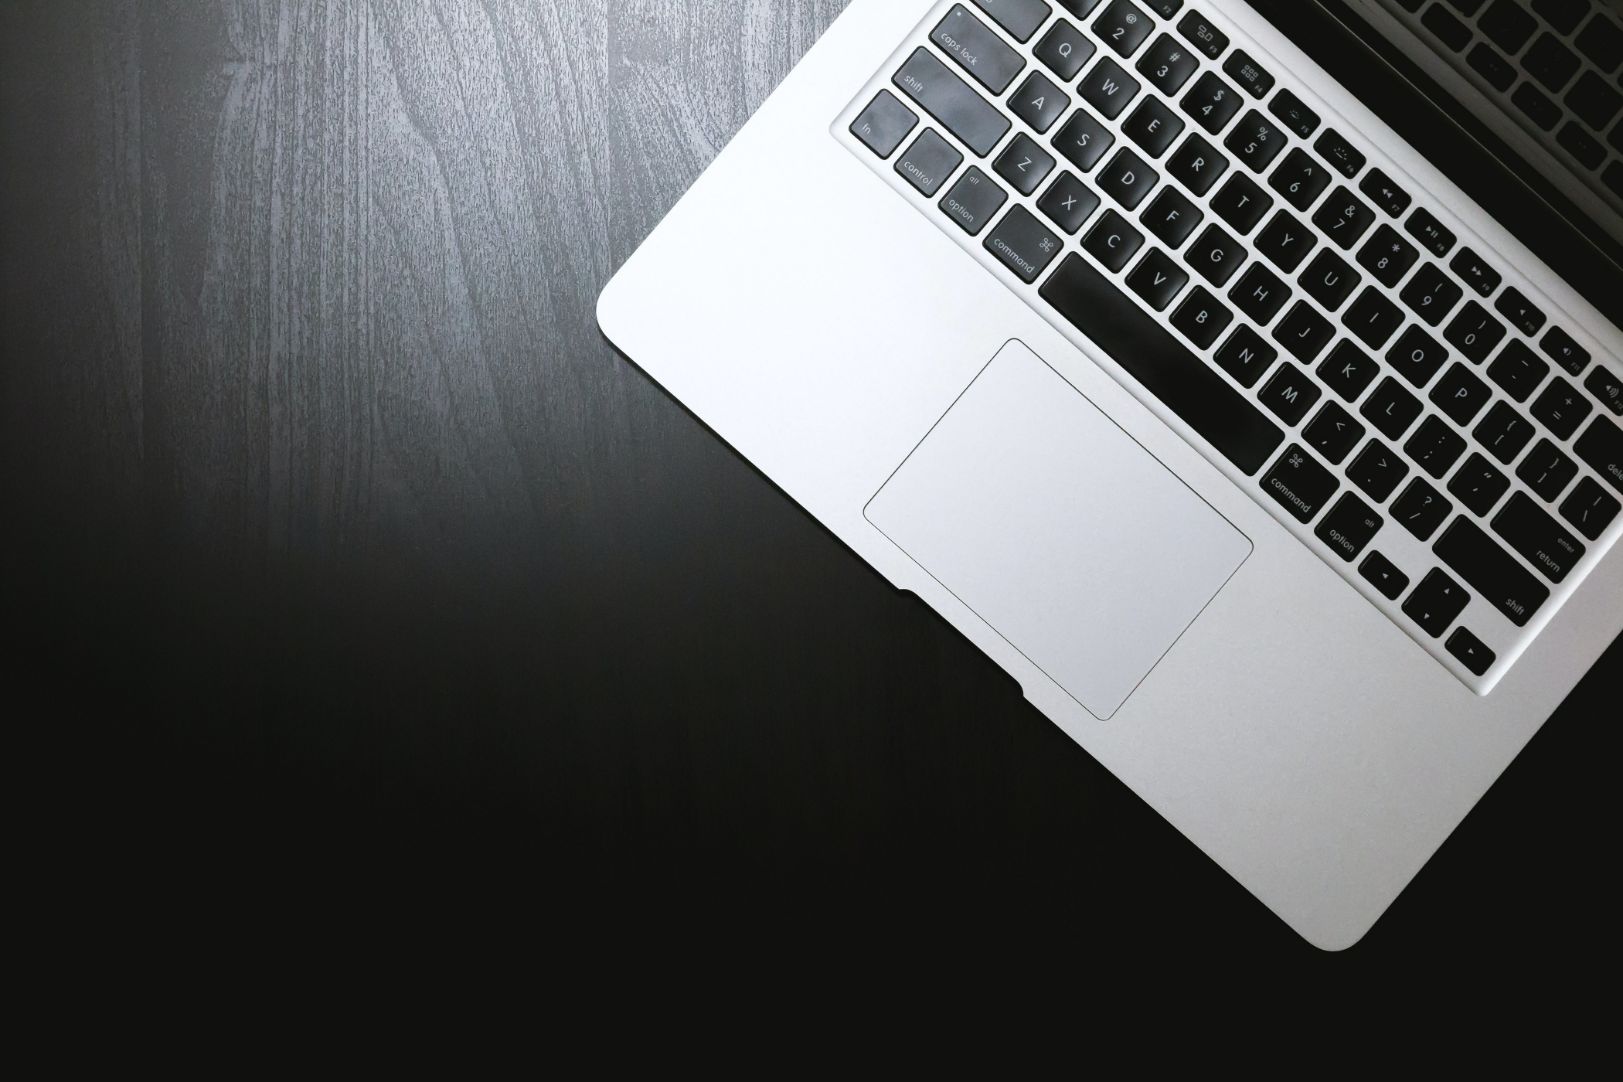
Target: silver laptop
[{"x": 1279, "y": 475}]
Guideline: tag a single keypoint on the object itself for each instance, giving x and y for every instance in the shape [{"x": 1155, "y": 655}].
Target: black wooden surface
[{"x": 345, "y": 559}]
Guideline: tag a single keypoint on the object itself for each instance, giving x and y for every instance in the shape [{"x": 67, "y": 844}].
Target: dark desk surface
[{"x": 346, "y": 553}]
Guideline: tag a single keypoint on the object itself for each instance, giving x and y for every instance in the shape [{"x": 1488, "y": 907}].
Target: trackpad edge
[{"x": 1058, "y": 529}]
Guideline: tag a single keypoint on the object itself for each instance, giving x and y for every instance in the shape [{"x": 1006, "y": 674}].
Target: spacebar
[{"x": 1165, "y": 367}]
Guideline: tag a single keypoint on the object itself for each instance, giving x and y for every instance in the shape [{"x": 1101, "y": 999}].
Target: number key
[
  {"x": 1475, "y": 333},
  {"x": 1168, "y": 65},
  {"x": 1388, "y": 256},
  {"x": 1123, "y": 27},
  {"x": 1212, "y": 103},
  {"x": 1432, "y": 294},
  {"x": 1344, "y": 217},
  {"x": 1300, "y": 179}
]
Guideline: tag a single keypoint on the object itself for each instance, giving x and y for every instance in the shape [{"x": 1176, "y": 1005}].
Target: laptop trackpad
[{"x": 1059, "y": 530}]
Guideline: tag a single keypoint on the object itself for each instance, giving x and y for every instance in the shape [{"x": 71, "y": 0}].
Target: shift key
[
  {"x": 953, "y": 102},
  {"x": 1493, "y": 572}
]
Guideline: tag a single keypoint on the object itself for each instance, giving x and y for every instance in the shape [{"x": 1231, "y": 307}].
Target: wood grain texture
[{"x": 341, "y": 544}]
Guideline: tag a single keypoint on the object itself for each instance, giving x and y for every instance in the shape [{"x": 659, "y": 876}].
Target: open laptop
[{"x": 1282, "y": 478}]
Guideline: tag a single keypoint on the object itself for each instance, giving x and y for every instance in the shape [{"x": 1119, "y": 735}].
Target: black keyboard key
[
  {"x": 1342, "y": 155},
  {"x": 1200, "y": 33},
  {"x": 1249, "y": 74},
  {"x": 1559, "y": 346},
  {"x": 1487, "y": 62},
  {"x": 1550, "y": 62},
  {"x": 929, "y": 162},
  {"x": 1391, "y": 409},
  {"x": 1518, "y": 370},
  {"x": 1197, "y": 165},
  {"x": 1344, "y": 217},
  {"x": 1153, "y": 126},
  {"x": 1479, "y": 485},
  {"x": 1469, "y": 651},
  {"x": 1348, "y": 370},
  {"x": 1601, "y": 447},
  {"x": 1508, "y": 25},
  {"x": 1384, "y": 575},
  {"x": 1068, "y": 202},
  {"x": 1212, "y": 103},
  {"x": 1157, "y": 279},
  {"x": 1417, "y": 356},
  {"x": 978, "y": 49},
  {"x": 1112, "y": 241},
  {"x": 1064, "y": 50},
  {"x": 1083, "y": 140},
  {"x": 884, "y": 124},
  {"x": 1564, "y": 15},
  {"x": 1581, "y": 145},
  {"x": 973, "y": 201},
  {"x": 1388, "y": 256},
  {"x": 1421, "y": 509},
  {"x": 1607, "y": 388},
  {"x": 1547, "y": 471},
  {"x": 962, "y": 111},
  {"x": 1474, "y": 271},
  {"x": 1334, "y": 433},
  {"x": 1602, "y": 41},
  {"x": 1165, "y": 368},
  {"x": 1590, "y": 509},
  {"x": 1349, "y": 527},
  {"x": 1168, "y": 65},
  {"x": 1080, "y": 8},
  {"x": 1594, "y": 100},
  {"x": 1491, "y": 571},
  {"x": 1299, "y": 484},
  {"x": 1241, "y": 203},
  {"x": 1290, "y": 393},
  {"x": 1433, "y": 235},
  {"x": 1023, "y": 244},
  {"x": 1432, "y": 294},
  {"x": 1245, "y": 356},
  {"x": 1172, "y": 217},
  {"x": 1300, "y": 179},
  {"x": 1448, "y": 29},
  {"x": 1255, "y": 141},
  {"x": 1438, "y": 601},
  {"x": 1384, "y": 192},
  {"x": 1039, "y": 102},
  {"x": 1260, "y": 294},
  {"x": 1127, "y": 179},
  {"x": 1613, "y": 176},
  {"x": 1123, "y": 27},
  {"x": 1372, "y": 318},
  {"x": 1024, "y": 164},
  {"x": 1535, "y": 535},
  {"x": 1504, "y": 433},
  {"x": 1378, "y": 471},
  {"x": 1561, "y": 409},
  {"x": 1536, "y": 106},
  {"x": 1294, "y": 113},
  {"x": 1329, "y": 280},
  {"x": 1108, "y": 88},
  {"x": 1165, "y": 8},
  {"x": 1201, "y": 317},
  {"x": 1460, "y": 395},
  {"x": 1285, "y": 242},
  {"x": 1523, "y": 314},
  {"x": 1435, "y": 447},
  {"x": 1304, "y": 333},
  {"x": 1475, "y": 333},
  {"x": 1020, "y": 18}
]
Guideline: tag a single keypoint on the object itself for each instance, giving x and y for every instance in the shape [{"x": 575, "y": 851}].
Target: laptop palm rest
[{"x": 1059, "y": 530}]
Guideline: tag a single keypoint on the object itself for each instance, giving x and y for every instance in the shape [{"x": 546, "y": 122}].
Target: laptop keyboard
[
  {"x": 1555, "y": 66},
  {"x": 1388, "y": 387}
]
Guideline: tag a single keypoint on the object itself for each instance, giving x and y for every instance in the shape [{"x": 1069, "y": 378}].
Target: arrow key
[
  {"x": 1469, "y": 651},
  {"x": 1384, "y": 575},
  {"x": 1436, "y": 603}
]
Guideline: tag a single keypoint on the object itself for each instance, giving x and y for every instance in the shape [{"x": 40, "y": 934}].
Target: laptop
[{"x": 1277, "y": 471}]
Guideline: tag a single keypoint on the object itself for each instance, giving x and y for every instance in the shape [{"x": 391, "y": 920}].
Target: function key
[
  {"x": 1509, "y": 25},
  {"x": 1385, "y": 193},
  {"x": 1522, "y": 313},
  {"x": 1550, "y": 62},
  {"x": 1249, "y": 74},
  {"x": 1020, "y": 18},
  {"x": 1437, "y": 602},
  {"x": 884, "y": 124},
  {"x": 1168, "y": 65},
  {"x": 1469, "y": 651},
  {"x": 1200, "y": 33},
  {"x": 1564, "y": 15},
  {"x": 1590, "y": 509},
  {"x": 1123, "y": 27},
  {"x": 1165, "y": 8},
  {"x": 1487, "y": 62},
  {"x": 1384, "y": 575},
  {"x": 1431, "y": 233},
  {"x": 1537, "y": 107},
  {"x": 1296, "y": 115},
  {"x": 1080, "y": 8},
  {"x": 1449, "y": 30},
  {"x": 1602, "y": 42},
  {"x": 1474, "y": 271},
  {"x": 1064, "y": 50},
  {"x": 1560, "y": 348},
  {"x": 1339, "y": 153},
  {"x": 1606, "y": 387}
]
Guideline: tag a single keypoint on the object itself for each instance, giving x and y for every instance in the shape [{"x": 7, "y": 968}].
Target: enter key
[{"x": 1538, "y": 538}]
